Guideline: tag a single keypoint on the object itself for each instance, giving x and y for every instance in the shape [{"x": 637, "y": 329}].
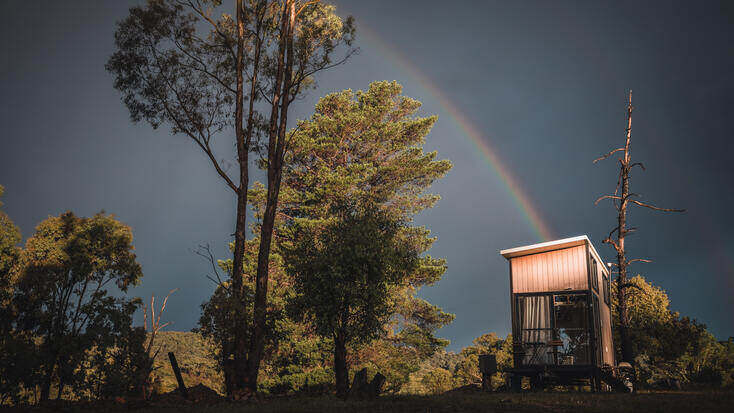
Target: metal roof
[{"x": 552, "y": 246}]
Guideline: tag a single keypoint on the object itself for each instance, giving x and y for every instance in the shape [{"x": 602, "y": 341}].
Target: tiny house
[{"x": 561, "y": 313}]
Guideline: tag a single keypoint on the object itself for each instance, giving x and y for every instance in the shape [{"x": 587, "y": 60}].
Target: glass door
[{"x": 571, "y": 329}]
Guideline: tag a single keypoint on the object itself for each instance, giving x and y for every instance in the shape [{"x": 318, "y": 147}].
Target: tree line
[{"x": 344, "y": 272}]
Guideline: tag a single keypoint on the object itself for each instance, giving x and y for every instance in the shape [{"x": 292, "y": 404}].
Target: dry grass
[{"x": 689, "y": 401}]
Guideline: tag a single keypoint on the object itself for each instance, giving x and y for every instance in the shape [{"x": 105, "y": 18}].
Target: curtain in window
[{"x": 535, "y": 316}]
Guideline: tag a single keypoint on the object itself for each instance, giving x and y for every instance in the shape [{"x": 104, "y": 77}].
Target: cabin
[{"x": 561, "y": 313}]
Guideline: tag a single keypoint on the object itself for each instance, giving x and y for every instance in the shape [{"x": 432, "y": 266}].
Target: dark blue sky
[{"x": 544, "y": 83}]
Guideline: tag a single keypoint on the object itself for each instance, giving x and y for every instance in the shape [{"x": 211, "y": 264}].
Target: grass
[
  {"x": 688, "y": 401},
  {"x": 193, "y": 355}
]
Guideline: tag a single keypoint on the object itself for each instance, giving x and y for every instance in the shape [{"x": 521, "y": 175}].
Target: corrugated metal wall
[
  {"x": 558, "y": 270},
  {"x": 606, "y": 328}
]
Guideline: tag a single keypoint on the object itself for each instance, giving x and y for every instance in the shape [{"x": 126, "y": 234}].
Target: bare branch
[
  {"x": 163, "y": 308},
  {"x": 638, "y": 260},
  {"x": 205, "y": 252},
  {"x": 601, "y": 158},
  {"x": 629, "y": 231},
  {"x": 612, "y": 243},
  {"x": 642, "y": 204},
  {"x": 606, "y": 197},
  {"x": 640, "y": 164},
  {"x": 155, "y": 322}
]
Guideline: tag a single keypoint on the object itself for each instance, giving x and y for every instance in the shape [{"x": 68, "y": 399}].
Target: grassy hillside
[{"x": 194, "y": 357}]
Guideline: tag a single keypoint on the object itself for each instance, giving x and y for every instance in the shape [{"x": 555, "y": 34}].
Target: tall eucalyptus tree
[{"x": 212, "y": 77}]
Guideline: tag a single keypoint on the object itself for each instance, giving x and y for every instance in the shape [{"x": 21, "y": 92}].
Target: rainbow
[{"x": 538, "y": 225}]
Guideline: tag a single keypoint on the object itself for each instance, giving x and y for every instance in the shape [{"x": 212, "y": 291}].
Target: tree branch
[
  {"x": 642, "y": 204},
  {"x": 638, "y": 260},
  {"x": 205, "y": 252},
  {"x": 601, "y": 158},
  {"x": 199, "y": 10},
  {"x": 614, "y": 244},
  {"x": 207, "y": 149},
  {"x": 203, "y": 143},
  {"x": 305, "y": 74},
  {"x": 308, "y": 3},
  {"x": 640, "y": 164},
  {"x": 203, "y": 68},
  {"x": 606, "y": 197}
]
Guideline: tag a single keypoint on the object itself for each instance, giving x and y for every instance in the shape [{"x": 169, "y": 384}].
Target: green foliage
[
  {"x": 176, "y": 63},
  {"x": 437, "y": 381},
  {"x": 463, "y": 367},
  {"x": 366, "y": 148},
  {"x": 9, "y": 253},
  {"x": 344, "y": 272},
  {"x": 119, "y": 367},
  {"x": 62, "y": 299},
  {"x": 669, "y": 346},
  {"x": 384, "y": 125},
  {"x": 217, "y": 321},
  {"x": 295, "y": 358},
  {"x": 194, "y": 356},
  {"x": 18, "y": 364},
  {"x": 467, "y": 370},
  {"x": 301, "y": 363}
]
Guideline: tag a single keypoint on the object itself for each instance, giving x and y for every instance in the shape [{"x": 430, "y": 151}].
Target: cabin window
[
  {"x": 594, "y": 273},
  {"x": 606, "y": 289},
  {"x": 571, "y": 315},
  {"x": 554, "y": 329},
  {"x": 536, "y": 328}
]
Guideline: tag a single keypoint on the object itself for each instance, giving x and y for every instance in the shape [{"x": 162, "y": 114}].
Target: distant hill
[{"x": 194, "y": 357}]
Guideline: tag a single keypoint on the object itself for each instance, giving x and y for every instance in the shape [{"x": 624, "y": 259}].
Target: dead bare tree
[
  {"x": 155, "y": 327},
  {"x": 622, "y": 198}
]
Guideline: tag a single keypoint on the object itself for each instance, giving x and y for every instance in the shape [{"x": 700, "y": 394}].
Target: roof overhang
[{"x": 552, "y": 246}]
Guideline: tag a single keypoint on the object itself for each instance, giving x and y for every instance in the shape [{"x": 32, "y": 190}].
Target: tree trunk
[
  {"x": 626, "y": 345},
  {"x": 276, "y": 146},
  {"x": 623, "y": 196},
  {"x": 621, "y": 234},
  {"x": 61, "y": 389},
  {"x": 240, "y": 353},
  {"x": 341, "y": 371},
  {"x": 46, "y": 387},
  {"x": 48, "y": 376}
]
